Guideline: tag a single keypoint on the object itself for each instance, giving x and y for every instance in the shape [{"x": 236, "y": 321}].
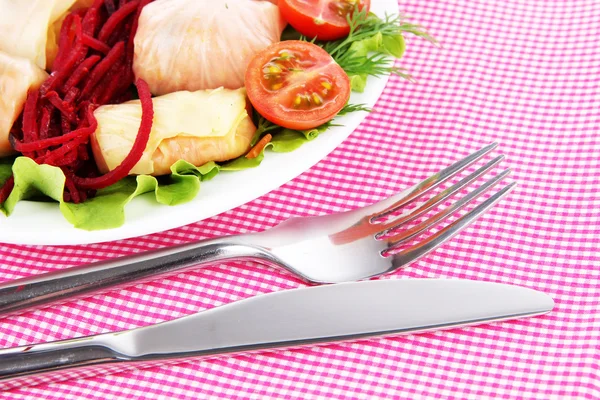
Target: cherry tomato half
[
  {"x": 323, "y": 19},
  {"x": 296, "y": 85}
]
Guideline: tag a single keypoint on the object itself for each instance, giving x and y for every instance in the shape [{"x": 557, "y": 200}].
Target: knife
[{"x": 284, "y": 319}]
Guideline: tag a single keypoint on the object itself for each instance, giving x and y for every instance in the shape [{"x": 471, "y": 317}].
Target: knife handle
[
  {"x": 29, "y": 360},
  {"x": 90, "y": 279}
]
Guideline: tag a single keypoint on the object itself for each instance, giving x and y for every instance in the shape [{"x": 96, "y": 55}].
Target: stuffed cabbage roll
[
  {"x": 17, "y": 76},
  {"x": 202, "y": 44},
  {"x": 201, "y": 126},
  {"x": 28, "y": 28}
]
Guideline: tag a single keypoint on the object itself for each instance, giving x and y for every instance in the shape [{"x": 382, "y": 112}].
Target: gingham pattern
[{"x": 523, "y": 72}]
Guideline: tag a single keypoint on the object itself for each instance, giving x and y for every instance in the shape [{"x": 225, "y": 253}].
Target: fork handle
[{"x": 90, "y": 279}]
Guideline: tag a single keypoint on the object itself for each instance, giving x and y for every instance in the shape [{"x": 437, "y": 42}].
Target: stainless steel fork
[{"x": 348, "y": 246}]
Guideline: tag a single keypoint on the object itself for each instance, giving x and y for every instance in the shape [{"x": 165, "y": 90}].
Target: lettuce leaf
[
  {"x": 107, "y": 209},
  {"x": 393, "y": 45}
]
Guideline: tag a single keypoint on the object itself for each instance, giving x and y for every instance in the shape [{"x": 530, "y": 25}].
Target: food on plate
[
  {"x": 296, "y": 85},
  {"x": 325, "y": 19},
  {"x": 136, "y": 150},
  {"x": 228, "y": 87},
  {"x": 202, "y": 44},
  {"x": 18, "y": 75},
  {"x": 200, "y": 126},
  {"x": 92, "y": 67}
]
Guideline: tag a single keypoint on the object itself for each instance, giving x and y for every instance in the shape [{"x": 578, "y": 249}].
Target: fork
[{"x": 348, "y": 246}]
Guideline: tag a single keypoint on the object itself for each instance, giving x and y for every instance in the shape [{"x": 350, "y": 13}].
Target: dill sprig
[
  {"x": 348, "y": 108},
  {"x": 363, "y": 26},
  {"x": 374, "y": 65}
]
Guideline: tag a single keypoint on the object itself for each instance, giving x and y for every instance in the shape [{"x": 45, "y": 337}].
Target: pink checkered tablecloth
[{"x": 525, "y": 73}]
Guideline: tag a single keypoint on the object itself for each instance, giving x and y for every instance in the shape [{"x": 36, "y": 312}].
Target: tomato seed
[
  {"x": 343, "y": 8},
  {"x": 285, "y": 55}
]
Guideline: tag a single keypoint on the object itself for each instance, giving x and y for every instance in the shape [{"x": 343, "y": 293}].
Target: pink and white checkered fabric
[{"x": 522, "y": 72}]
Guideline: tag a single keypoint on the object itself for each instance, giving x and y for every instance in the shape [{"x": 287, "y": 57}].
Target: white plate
[{"x": 38, "y": 223}]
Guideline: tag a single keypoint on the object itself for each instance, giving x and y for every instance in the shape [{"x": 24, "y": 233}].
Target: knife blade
[{"x": 282, "y": 319}]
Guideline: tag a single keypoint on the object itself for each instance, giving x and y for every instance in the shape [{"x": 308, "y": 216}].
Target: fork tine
[
  {"x": 432, "y": 182},
  {"x": 440, "y": 197},
  {"x": 442, "y": 215},
  {"x": 410, "y": 254}
]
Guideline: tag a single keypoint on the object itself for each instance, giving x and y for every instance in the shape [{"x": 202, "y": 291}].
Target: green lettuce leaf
[
  {"x": 358, "y": 82},
  {"x": 362, "y": 47},
  {"x": 284, "y": 141},
  {"x": 393, "y": 45},
  {"x": 107, "y": 209}
]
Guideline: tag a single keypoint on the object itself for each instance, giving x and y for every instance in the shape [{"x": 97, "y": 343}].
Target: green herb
[
  {"x": 367, "y": 49},
  {"x": 263, "y": 125},
  {"x": 348, "y": 108}
]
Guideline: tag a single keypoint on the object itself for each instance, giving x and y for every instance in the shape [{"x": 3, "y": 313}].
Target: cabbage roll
[
  {"x": 201, "y": 126},
  {"x": 202, "y": 44},
  {"x": 28, "y": 28},
  {"x": 17, "y": 76}
]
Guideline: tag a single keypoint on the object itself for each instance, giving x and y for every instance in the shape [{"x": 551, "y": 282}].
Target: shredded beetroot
[
  {"x": 55, "y": 141},
  {"x": 114, "y": 85},
  {"x": 70, "y": 186},
  {"x": 53, "y": 157},
  {"x": 66, "y": 160},
  {"x": 93, "y": 66},
  {"x": 80, "y": 72},
  {"x": 30, "y": 131},
  {"x": 6, "y": 189},
  {"x": 115, "y": 19},
  {"x": 95, "y": 44},
  {"x": 65, "y": 124},
  {"x": 68, "y": 64},
  {"x": 102, "y": 67},
  {"x": 71, "y": 94},
  {"x": 117, "y": 77},
  {"x": 137, "y": 149},
  {"x": 45, "y": 122},
  {"x": 63, "y": 41},
  {"x": 65, "y": 108},
  {"x": 91, "y": 19},
  {"x": 110, "y": 6}
]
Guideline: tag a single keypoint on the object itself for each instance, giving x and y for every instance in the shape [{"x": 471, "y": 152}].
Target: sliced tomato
[
  {"x": 296, "y": 85},
  {"x": 323, "y": 19}
]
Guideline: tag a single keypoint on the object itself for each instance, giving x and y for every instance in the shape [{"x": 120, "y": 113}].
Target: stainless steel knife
[{"x": 282, "y": 319}]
